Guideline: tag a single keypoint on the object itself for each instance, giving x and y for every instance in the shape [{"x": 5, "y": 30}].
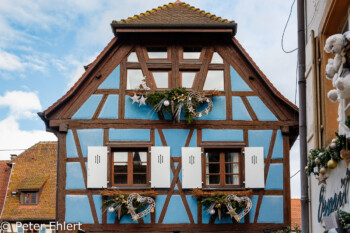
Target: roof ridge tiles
[{"x": 169, "y": 5}]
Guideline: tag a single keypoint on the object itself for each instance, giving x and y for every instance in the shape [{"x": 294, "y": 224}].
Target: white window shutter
[
  {"x": 160, "y": 167},
  {"x": 254, "y": 167},
  {"x": 191, "y": 167},
  {"x": 97, "y": 167}
]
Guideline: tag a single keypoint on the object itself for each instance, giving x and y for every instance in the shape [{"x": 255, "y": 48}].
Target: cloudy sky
[{"x": 45, "y": 44}]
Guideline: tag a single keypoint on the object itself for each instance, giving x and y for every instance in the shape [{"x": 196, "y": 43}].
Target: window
[
  {"x": 214, "y": 80},
  {"x": 29, "y": 198},
  {"x": 217, "y": 59},
  {"x": 192, "y": 52},
  {"x": 187, "y": 79},
  {"x": 130, "y": 167},
  {"x": 161, "y": 79},
  {"x": 222, "y": 168},
  {"x": 157, "y": 53},
  {"x": 133, "y": 57},
  {"x": 134, "y": 78}
]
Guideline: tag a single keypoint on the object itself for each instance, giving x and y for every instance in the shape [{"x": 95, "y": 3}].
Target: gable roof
[
  {"x": 29, "y": 169},
  {"x": 175, "y": 15},
  {"x": 5, "y": 171}
]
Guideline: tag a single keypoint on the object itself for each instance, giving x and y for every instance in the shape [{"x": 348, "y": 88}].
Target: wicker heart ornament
[
  {"x": 232, "y": 212},
  {"x": 132, "y": 210}
]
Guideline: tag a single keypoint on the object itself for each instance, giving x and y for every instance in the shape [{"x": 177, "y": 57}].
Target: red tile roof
[
  {"x": 175, "y": 13},
  {"x": 29, "y": 168},
  {"x": 5, "y": 171},
  {"x": 296, "y": 213}
]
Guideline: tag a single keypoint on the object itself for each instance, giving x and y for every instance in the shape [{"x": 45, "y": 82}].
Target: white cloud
[
  {"x": 22, "y": 104},
  {"x": 10, "y": 61},
  {"x": 12, "y": 137}
]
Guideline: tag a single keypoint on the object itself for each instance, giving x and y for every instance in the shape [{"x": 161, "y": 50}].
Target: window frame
[
  {"x": 130, "y": 149},
  {"x": 222, "y": 163},
  {"x": 31, "y": 192}
]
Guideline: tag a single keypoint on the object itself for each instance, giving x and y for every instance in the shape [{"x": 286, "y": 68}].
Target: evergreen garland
[
  {"x": 320, "y": 157},
  {"x": 220, "y": 201},
  {"x": 122, "y": 199},
  {"x": 344, "y": 219},
  {"x": 179, "y": 98}
]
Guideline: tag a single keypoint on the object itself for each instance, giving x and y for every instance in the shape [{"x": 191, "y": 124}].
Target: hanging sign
[{"x": 327, "y": 206}]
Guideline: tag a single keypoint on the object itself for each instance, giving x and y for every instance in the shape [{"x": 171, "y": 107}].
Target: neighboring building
[
  {"x": 323, "y": 19},
  {"x": 31, "y": 193},
  {"x": 108, "y": 145},
  {"x": 295, "y": 213},
  {"x": 5, "y": 171}
]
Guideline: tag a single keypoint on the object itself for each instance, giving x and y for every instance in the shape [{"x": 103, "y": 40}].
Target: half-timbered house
[{"x": 111, "y": 143}]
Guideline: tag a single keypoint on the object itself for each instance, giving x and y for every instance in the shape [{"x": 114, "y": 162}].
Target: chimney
[{"x": 13, "y": 156}]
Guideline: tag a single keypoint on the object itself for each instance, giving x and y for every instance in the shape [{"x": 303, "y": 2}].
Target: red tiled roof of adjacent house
[
  {"x": 5, "y": 171},
  {"x": 35, "y": 168},
  {"x": 296, "y": 213},
  {"x": 175, "y": 13}
]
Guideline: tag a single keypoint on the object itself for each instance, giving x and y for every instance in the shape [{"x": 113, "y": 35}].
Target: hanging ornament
[
  {"x": 333, "y": 145},
  {"x": 323, "y": 170},
  {"x": 201, "y": 99},
  {"x": 166, "y": 103},
  {"x": 143, "y": 85},
  {"x": 111, "y": 209},
  {"x": 332, "y": 164},
  {"x": 135, "y": 98},
  {"x": 135, "y": 216},
  {"x": 142, "y": 101},
  {"x": 211, "y": 209},
  {"x": 232, "y": 211},
  {"x": 322, "y": 179}
]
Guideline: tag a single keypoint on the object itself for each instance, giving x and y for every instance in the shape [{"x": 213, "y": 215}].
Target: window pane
[
  {"x": 214, "y": 80},
  {"x": 213, "y": 179},
  {"x": 120, "y": 179},
  {"x": 134, "y": 79},
  {"x": 192, "y": 52},
  {"x": 140, "y": 167},
  {"x": 232, "y": 179},
  {"x": 213, "y": 168},
  {"x": 213, "y": 157},
  {"x": 161, "y": 79},
  {"x": 231, "y": 157},
  {"x": 140, "y": 179},
  {"x": 157, "y": 53},
  {"x": 140, "y": 156},
  {"x": 26, "y": 198},
  {"x": 121, "y": 168},
  {"x": 133, "y": 57},
  {"x": 231, "y": 168},
  {"x": 217, "y": 59},
  {"x": 33, "y": 198},
  {"x": 187, "y": 79},
  {"x": 121, "y": 157}
]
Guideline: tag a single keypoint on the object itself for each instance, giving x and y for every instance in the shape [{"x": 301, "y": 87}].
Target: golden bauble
[
  {"x": 323, "y": 170},
  {"x": 334, "y": 140},
  {"x": 332, "y": 164},
  {"x": 320, "y": 154},
  {"x": 306, "y": 168}
]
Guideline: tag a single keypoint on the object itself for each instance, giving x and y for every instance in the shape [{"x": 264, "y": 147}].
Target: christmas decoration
[
  {"x": 232, "y": 211},
  {"x": 119, "y": 205},
  {"x": 142, "y": 100},
  {"x": 177, "y": 101},
  {"x": 227, "y": 206},
  {"x": 326, "y": 157},
  {"x": 322, "y": 179},
  {"x": 344, "y": 220},
  {"x": 135, "y": 98},
  {"x": 139, "y": 199}
]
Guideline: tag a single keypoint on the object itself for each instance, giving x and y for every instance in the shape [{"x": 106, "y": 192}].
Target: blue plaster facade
[{"x": 78, "y": 207}]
